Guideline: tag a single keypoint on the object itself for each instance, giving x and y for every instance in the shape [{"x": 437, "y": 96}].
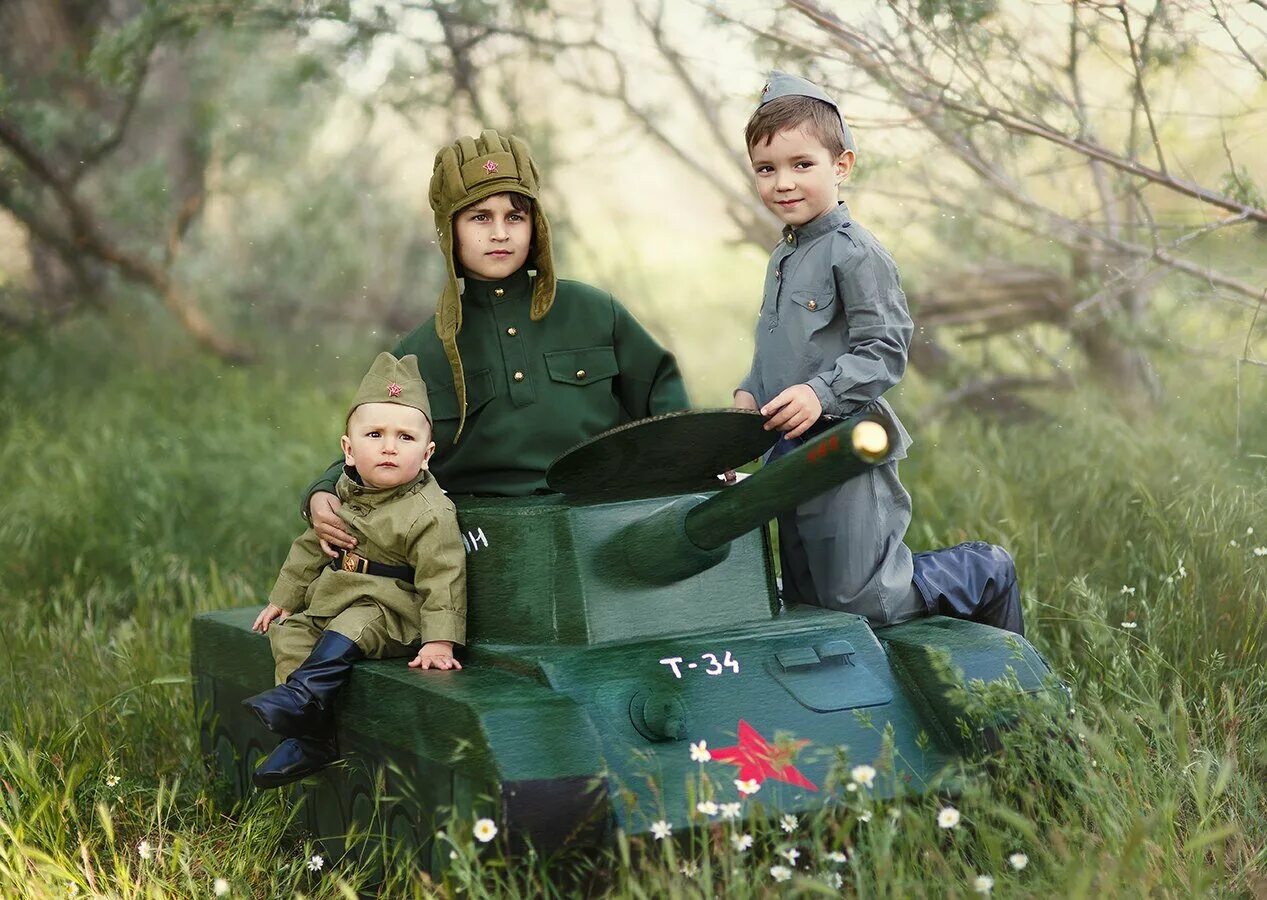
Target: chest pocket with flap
[
  {"x": 582, "y": 366},
  {"x": 479, "y": 390},
  {"x": 814, "y": 301}
]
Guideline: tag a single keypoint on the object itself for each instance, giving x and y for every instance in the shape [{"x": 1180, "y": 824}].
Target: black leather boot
[
  {"x": 295, "y": 758},
  {"x": 303, "y": 706}
]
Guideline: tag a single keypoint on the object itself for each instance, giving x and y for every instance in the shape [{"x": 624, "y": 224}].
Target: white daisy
[
  {"x": 729, "y": 810},
  {"x": 836, "y": 857},
  {"x": 145, "y": 850},
  {"x": 749, "y": 786},
  {"x": 834, "y": 880},
  {"x": 661, "y": 829},
  {"x": 780, "y": 873},
  {"x": 851, "y": 787},
  {"x": 791, "y": 854},
  {"x": 1127, "y": 590},
  {"x": 742, "y": 842},
  {"x": 1260, "y": 551},
  {"x": 1130, "y": 625},
  {"x": 947, "y": 817},
  {"x": 220, "y": 887},
  {"x": 895, "y": 813},
  {"x": 485, "y": 830},
  {"x": 317, "y": 863},
  {"x": 706, "y": 808},
  {"x": 788, "y": 823},
  {"x": 983, "y": 884},
  {"x": 689, "y": 868},
  {"x": 1018, "y": 860},
  {"x": 699, "y": 752},
  {"x": 863, "y": 775},
  {"x": 112, "y": 780},
  {"x": 864, "y": 816}
]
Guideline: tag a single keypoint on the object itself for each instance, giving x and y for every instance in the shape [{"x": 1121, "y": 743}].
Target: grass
[{"x": 135, "y": 501}]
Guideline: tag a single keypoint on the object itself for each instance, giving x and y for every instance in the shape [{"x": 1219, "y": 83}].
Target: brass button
[
  {"x": 790, "y": 238},
  {"x": 813, "y": 304},
  {"x": 580, "y": 373},
  {"x": 497, "y": 292},
  {"x": 519, "y": 376},
  {"x": 512, "y": 331}
]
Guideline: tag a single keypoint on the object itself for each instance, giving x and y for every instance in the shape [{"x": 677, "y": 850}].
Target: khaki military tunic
[
  {"x": 411, "y": 525},
  {"x": 833, "y": 316},
  {"x": 534, "y": 389}
]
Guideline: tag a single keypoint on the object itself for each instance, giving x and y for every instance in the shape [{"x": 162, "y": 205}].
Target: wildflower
[
  {"x": 453, "y": 854},
  {"x": 316, "y": 864},
  {"x": 788, "y": 823},
  {"x": 895, "y": 813},
  {"x": 699, "y": 752},
  {"x": 485, "y": 830},
  {"x": 112, "y": 780},
  {"x": 742, "y": 842},
  {"x": 1170, "y": 579},
  {"x": 791, "y": 854},
  {"x": 1018, "y": 860},
  {"x": 1126, "y": 590},
  {"x": 837, "y": 857},
  {"x": 730, "y": 810},
  {"x": 689, "y": 868},
  {"x": 780, "y": 873},
  {"x": 864, "y": 816},
  {"x": 1260, "y": 551},
  {"x": 72, "y": 890},
  {"x": 661, "y": 829},
  {"x": 1130, "y": 625},
  {"x": 749, "y": 786},
  {"x": 983, "y": 885},
  {"x": 1249, "y": 530},
  {"x": 863, "y": 775},
  {"x": 851, "y": 787},
  {"x": 1183, "y": 573},
  {"x": 1233, "y": 543},
  {"x": 706, "y": 808},
  {"x": 441, "y": 836},
  {"x": 947, "y": 817},
  {"x": 833, "y": 879},
  {"x": 220, "y": 887},
  {"x": 145, "y": 850}
]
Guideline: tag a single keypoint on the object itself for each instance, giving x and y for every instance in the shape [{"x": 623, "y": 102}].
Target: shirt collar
[
  {"x": 350, "y": 486},
  {"x": 485, "y": 293},
  {"x": 824, "y": 224}
]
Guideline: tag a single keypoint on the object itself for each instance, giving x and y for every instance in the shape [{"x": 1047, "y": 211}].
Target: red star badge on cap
[
  {"x": 393, "y": 390},
  {"x": 759, "y": 760},
  {"x": 490, "y": 167}
]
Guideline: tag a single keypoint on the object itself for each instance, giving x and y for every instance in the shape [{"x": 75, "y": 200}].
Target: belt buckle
[{"x": 354, "y": 563}]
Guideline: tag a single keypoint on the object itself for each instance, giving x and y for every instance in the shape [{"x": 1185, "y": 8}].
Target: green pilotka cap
[
  {"x": 392, "y": 380},
  {"x": 465, "y": 172},
  {"x": 782, "y": 84}
]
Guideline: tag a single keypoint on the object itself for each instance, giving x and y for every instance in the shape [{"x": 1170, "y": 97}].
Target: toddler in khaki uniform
[{"x": 405, "y": 585}]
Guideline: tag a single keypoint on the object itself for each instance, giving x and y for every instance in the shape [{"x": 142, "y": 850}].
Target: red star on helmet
[{"x": 760, "y": 760}]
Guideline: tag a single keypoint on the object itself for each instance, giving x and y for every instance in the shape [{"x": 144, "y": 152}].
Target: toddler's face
[
  {"x": 796, "y": 175},
  {"x": 388, "y": 444},
  {"x": 493, "y": 238}
]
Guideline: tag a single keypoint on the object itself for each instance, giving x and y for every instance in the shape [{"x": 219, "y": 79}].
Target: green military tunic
[
  {"x": 412, "y": 525},
  {"x": 534, "y": 389}
]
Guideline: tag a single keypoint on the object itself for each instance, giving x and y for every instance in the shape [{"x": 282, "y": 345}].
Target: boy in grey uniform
[{"x": 832, "y": 337}]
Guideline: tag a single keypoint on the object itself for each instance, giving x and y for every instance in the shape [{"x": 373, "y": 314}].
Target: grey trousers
[{"x": 844, "y": 549}]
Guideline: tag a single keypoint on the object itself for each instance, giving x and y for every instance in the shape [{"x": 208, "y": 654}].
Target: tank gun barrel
[{"x": 687, "y": 535}]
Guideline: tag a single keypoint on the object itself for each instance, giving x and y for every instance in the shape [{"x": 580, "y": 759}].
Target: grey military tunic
[{"x": 833, "y": 316}]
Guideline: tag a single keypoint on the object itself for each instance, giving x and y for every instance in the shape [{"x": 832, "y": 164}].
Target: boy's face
[
  {"x": 388, "y": 444},
  {"x": 796, "y": 175},
  {"x": 493, "y": 238}
]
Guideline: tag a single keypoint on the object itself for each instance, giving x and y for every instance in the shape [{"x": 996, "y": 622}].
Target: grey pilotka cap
[{"x": 783, "y": 85}]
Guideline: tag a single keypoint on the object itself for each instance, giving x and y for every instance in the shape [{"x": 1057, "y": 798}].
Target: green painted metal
[{"x": 597, "y": 657}]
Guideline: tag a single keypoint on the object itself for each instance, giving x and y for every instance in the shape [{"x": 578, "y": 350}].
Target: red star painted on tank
[{"x": 760, "y": 760}]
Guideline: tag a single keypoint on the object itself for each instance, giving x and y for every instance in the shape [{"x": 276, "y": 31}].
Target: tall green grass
[{"x": 137, "y": 497}]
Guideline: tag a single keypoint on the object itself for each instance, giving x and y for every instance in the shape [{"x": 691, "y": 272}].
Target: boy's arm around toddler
[{"x": 879, "y": 324}]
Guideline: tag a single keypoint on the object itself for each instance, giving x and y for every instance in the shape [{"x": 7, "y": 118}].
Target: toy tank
[{"x": 611, "y": 627}]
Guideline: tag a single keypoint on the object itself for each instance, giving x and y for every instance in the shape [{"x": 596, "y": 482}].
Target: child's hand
[
  {"x": 435, "y": 655},
  {"x": 793, "y": 411},
  {"x": 745, "y": 400},
  {"x": 266, "y": 617},
  {"x": 323, "y": 508}
]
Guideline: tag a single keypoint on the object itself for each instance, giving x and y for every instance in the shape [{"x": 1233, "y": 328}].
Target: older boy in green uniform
[
  {"x": 831, "y": 338},
  {"x": 406, "y": 584},
  {"x": 521, "y": 365}
]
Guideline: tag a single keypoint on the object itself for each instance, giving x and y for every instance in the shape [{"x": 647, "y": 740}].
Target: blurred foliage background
[{"x": 213, "y": 213}]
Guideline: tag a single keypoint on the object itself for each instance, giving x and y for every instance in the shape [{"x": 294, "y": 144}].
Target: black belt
[{"x": 352, "y": 562}]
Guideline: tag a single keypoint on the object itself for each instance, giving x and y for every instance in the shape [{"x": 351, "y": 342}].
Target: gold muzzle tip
[{"x": 870, "y": 441}]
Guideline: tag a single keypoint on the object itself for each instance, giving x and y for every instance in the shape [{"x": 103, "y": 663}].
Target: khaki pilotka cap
[
  {"x": 465, "y": 172},
  {"x": 392, "y": 380},
  {"x": 783, "y": 85}
]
